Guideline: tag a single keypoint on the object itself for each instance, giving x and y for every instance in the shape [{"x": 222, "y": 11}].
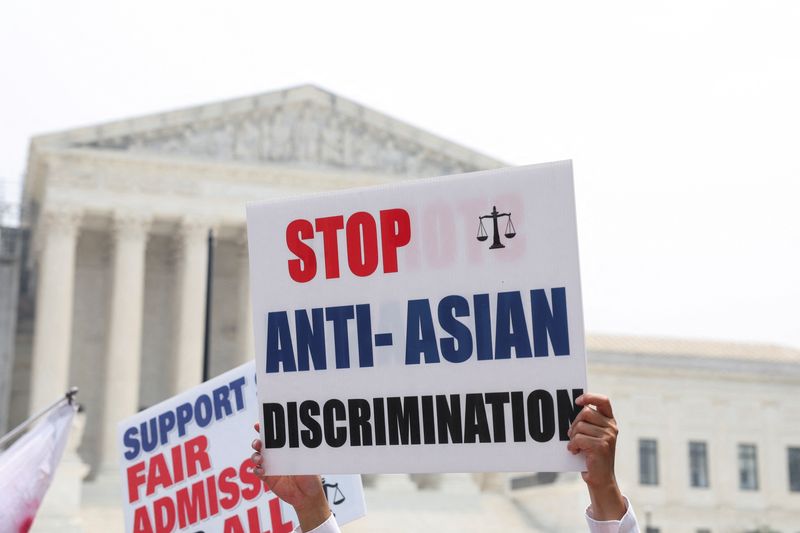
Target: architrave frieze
[
  {"x": 152, "y": 174},
  {"x": 100, "y": 184}
]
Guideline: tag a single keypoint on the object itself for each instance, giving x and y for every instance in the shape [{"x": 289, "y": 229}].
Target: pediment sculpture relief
[{"x": 303, "y": 132}]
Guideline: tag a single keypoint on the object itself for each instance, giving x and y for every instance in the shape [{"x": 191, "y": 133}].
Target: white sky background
[{"x": 683, "y": 118}]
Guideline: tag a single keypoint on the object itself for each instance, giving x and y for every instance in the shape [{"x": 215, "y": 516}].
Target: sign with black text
[{"x": 425, "y": 326}]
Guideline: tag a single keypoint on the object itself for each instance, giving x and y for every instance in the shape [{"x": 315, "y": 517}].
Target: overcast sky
[{"x": 683, "y": 120}]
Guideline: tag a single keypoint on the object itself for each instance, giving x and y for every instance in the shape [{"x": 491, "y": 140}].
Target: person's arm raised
[
  {"x": 304, "y": 493},
  {"x": 594, "y": 433}
]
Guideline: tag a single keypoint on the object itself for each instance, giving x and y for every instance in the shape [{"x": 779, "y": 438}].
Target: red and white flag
[{"x": 28, "y": 466}]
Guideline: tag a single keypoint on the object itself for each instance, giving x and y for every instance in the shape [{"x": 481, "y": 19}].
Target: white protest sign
[
  {"x": 428, "y": 326},
  {"x": 186, "y": 466}
]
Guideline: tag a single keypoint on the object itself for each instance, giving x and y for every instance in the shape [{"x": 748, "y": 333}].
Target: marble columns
[
  {"x": 191, "y": 304},
  {"x": 54, "y": 296},
  {"x": 123, "y": 362}
]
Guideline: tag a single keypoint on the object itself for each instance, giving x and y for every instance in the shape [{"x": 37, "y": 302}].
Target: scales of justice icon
[
  {"x": 333, "y": 493},
  {"x": 495, "y": 216}
]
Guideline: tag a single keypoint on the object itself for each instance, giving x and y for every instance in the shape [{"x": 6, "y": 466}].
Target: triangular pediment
[{"x": 302, "y": 126}]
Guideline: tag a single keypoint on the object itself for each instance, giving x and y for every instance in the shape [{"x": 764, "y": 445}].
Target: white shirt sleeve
[
  {"x": 627, "y": 524},
  {"x": 328, "y": 526}
]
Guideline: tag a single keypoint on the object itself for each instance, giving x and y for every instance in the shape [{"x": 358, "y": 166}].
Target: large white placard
[
  {"x": 428, "y": 326},
  {"x": 186, "y": 466}
]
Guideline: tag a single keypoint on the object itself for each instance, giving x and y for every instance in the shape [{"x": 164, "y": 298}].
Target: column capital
[
  {"x": 191, "y": 231},
  {"x": 62, "y": 221},
  {"x": 131, "y": 225},
  {"x": 191, "y": 226}
]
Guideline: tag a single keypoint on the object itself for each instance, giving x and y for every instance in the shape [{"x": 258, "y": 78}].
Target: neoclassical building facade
[{"x": 120, "y": 215}]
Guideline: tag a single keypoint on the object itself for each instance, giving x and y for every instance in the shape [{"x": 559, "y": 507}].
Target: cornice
[{"x": 727, "y": 369}]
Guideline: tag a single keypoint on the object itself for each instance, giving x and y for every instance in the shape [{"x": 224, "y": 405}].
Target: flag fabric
[{"x": 28, "y": 466}]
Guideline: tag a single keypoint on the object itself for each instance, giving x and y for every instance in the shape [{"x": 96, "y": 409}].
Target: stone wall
[
  {"x": 10, "y": 257},
  {"x": 723, "y": 404}
]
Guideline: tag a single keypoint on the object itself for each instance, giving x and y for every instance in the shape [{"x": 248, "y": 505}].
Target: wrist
[
  {"x": 608, "y": 503},
  {"x": 312, "y": 513}
]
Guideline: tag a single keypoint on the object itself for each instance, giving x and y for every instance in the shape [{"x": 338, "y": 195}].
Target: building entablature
[{"x": 655, "y": 365}]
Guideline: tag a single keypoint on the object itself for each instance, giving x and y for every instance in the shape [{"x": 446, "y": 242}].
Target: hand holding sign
[
  {"x": 304, "y": 493},
  {"x": 594, "y": 433}
]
